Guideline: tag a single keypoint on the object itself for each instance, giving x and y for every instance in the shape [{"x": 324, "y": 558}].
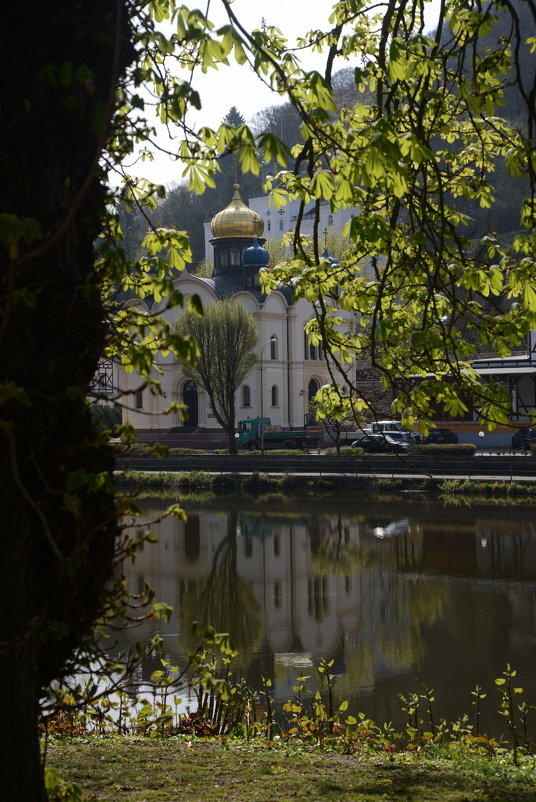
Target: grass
[{"x": 121, "y": 769}]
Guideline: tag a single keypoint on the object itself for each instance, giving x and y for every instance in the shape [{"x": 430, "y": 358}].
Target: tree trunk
[
  {"x": 22, "y": 778},
  {"x": 59, "y": 523}
]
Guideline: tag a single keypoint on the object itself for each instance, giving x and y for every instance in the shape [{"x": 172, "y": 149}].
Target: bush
[
  {"x": 345, "y": 452},
  {"x": 185, "y": 452},
  {"x": 136, "y": 449},
  {"x": 279, "y": 452},
  {"x": 446, "y": 449},
  {"x": 226, "y": 484},
  {"x": 106, "y": 416}
]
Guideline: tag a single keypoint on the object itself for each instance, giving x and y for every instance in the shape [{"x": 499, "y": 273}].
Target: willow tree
[{"x": 225, "y": 337}]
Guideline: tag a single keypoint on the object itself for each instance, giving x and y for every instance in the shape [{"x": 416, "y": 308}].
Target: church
[{"x": 289, "y": 369}]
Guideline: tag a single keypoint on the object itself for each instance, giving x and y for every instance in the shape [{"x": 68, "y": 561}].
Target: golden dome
[{"x": 237, "y": 220}]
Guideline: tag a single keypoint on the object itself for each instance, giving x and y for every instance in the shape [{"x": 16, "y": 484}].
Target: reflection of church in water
[
  {"x": 301, "y": 612},
  {"x": 295, "y": 590},
  {"x": 394, "y": 602}
]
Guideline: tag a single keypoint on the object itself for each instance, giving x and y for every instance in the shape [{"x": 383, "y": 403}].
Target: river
[{"x": 400, "y": 594}]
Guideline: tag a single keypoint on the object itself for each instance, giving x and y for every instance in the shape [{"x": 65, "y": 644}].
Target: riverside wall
[{"x": 506, "y": 467}]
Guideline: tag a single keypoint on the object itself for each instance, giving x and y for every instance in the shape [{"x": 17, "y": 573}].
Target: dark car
[
  {"x": 524, "y": 438},
  {"x": 381, "y": 444},
  {"x": 440, "y": 436}
]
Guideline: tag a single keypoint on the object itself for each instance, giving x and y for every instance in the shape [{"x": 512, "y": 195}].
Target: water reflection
[{"x": 395, "y": 596}]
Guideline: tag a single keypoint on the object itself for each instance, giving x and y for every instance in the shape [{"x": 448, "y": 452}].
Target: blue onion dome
[
  {"x": 331, "y": 259},
  {"x": 255, "y": 256},
  {"x": 237, "y": 220}
]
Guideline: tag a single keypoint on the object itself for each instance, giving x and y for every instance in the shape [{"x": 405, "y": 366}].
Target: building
[{"x": 289, "y": 370}]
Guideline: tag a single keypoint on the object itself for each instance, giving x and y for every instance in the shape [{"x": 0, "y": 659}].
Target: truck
[{"x": 259, "y": 433}]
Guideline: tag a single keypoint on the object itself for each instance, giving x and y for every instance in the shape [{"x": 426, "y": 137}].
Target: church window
[
  {"x": 330, "y": 220},
  {"x": 139, "y": 399},
  {"x": 224, "y": 258},
  {"x": 275, "y": 395},
  {"x": 269, "y": 226},
  {"x": 312, "y": 389},
  {"x": 273, "y": 347},
  {"x": 235, "y": 256},
  {"x": 246, "y": 396},
  {"x": 281, "y": 224}
]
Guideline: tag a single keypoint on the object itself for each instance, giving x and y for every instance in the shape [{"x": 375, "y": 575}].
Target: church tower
[{"x": 238, "y": 253}]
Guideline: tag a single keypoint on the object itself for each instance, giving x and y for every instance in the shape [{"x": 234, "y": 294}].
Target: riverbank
[
  {"x": 207, "y": 484},
  {"x": 119, "y": 769}
]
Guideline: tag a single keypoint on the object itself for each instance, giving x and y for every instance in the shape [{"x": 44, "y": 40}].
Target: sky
[{"x": 238, "y": 85}]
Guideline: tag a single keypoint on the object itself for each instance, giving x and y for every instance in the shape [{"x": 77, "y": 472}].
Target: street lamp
[{"x": 268, "y": 342}]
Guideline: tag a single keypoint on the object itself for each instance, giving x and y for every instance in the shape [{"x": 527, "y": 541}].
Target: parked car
[
  {"x": 402, "y": 436},
  {"x": 440, "y": 436},
  {"x": 381, "y": 444},
  {"x": 524, "y": 438},
  {"x": 390, "y": 426}
]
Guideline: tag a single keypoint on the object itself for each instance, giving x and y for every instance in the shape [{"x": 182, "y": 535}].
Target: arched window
[
  {"x": 312, "y": 389},
  {"x": 275, "y": 395},
  {"x": 235, "y": 256},
  {"x": 224, "y": 258},
  {"x": 246, "y": 396},
  {"x": 189, "y": 398},
  {"x": 273, "y": 347}
]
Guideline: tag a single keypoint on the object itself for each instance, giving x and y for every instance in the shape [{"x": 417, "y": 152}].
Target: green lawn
[{"x": 173, "y": 770}]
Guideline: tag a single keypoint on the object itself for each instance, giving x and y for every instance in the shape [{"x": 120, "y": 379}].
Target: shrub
[
  {"x": 226, "y": 484},
  {"x": 185, "y": 452},
  {"x": 137, "y": 449},
  {"x": 279, "y": 452},
  {"x": 446, "y": 449},
  {"x": 345, "y": 452},
  {"x": 106, "y": 416}
]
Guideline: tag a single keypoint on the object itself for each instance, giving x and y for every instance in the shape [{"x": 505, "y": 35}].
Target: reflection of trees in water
[
  {"x": 333, "y": 550},
  {"x": 224, "y": 601},
  {"x": 392, "y": 635}
]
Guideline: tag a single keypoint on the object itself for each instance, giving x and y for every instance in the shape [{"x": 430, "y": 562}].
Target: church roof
[{"x": 237, "y": 220}]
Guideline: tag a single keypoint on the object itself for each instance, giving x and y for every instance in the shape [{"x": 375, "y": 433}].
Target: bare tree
[{"x": 226, "y": 337}]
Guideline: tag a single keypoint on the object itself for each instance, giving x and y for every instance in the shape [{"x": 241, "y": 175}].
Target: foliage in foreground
[{"x": 222, "y": 707}]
